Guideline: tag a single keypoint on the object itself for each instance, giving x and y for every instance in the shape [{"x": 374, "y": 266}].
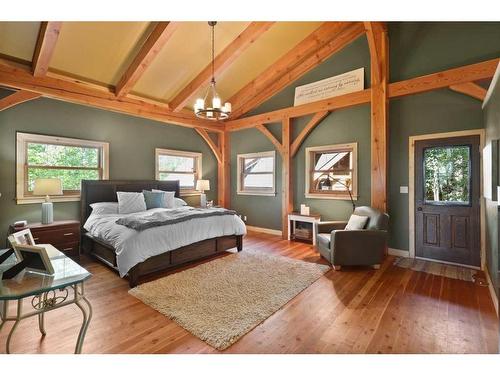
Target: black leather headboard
[{"x": 105, "y": 191}]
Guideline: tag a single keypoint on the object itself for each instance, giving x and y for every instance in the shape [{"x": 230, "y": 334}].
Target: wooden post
[
  {"x": 379, "y": 52},
  {"x": 224, "y": 172},
  {"x": 286, "y": 172}
]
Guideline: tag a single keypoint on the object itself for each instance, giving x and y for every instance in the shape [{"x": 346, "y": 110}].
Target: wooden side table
[
  {"x": 295, "y": 219},
  {"x": 63, "y": 234}
]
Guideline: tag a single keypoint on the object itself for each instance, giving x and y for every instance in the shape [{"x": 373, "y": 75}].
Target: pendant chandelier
[{"x": 210, "y": 107}]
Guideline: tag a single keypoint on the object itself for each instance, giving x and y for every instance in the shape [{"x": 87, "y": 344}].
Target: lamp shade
[
  {"x": 48, "y": 186},
  {"x": 202, "y": 185}
]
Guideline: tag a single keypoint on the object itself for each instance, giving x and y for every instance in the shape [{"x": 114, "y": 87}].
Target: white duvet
[{"x": 133, "y": 247}]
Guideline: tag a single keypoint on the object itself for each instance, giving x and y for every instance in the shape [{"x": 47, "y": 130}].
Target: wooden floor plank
[{"x": 356, "y": 310}]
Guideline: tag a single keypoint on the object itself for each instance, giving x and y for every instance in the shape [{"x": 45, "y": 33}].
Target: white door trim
[{"x": 411, "y": 183}]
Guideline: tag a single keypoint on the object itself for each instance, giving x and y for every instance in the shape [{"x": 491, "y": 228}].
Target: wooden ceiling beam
[
  {"x": 215, "y": 149},
  {"x": 222, "y": 61},
  {"x": 160, "y": 35},
  {"x": 372, "y": 30},
  {"x": 16, "y": 98},
  {"x": 444, "y": 79},
  {"x": 331, "y": 104},
  {"x": 447, "y": 78},
  {"x": 313, "y": 122},
  {"x": 303, "y": 57},
  {"x": 81, "y": 94},
  {"x": 470, "y": 89},
  {"x": 271, "y": 137},
  {"x": 45, "y": 46}
]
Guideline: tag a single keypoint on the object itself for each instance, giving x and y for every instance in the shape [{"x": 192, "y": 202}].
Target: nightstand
[
  {"x": 302, "y": 227},
  {"x": 63, "y": 235}
]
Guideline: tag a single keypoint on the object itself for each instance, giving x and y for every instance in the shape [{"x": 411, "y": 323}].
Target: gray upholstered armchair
[{"x": 365, "y": 247}]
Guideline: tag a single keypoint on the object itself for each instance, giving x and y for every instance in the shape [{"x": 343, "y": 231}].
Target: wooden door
[{"x": 447, "y": 200}]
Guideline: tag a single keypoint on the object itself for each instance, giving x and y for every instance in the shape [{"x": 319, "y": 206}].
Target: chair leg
[
  {"x": 336, "y": 268},
  {"x": 376, "y": 266}
]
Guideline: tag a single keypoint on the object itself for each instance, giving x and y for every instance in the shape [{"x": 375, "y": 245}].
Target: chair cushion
[{"x": 356, "y": 222}]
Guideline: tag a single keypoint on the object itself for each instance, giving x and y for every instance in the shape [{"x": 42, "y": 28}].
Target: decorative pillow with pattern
[{"x": 130, "y": 202}]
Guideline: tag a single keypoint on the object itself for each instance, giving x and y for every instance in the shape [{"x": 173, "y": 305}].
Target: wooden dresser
[{"x": 64, "y": 235}]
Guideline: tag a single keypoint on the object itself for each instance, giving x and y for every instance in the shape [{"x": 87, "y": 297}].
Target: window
[
  {"x": 447, "y": 175},
  {"x": 71, "y": 160},
  {"x": 179, "y": 165},
  {"x": 256, "y": 173},
  {"x": 331, "y": 171}
]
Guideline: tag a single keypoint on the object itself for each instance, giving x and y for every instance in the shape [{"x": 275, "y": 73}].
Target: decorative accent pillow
[
  {"x": 130, "y": 202},
  {"x": 153, "y": 199},
  {"x": 168, "y": 198},
  {"x": 104, "y": 208},
  {"x": 356, "y": 222}
]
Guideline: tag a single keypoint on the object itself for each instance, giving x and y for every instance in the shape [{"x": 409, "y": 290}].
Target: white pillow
[
  {"x": 356, "y": 222},
  {"x": 130, "y": 202},
  {"x": 178, "y": 202},
  {"x": 104, "y": 208},
  {"x": 168, "y": 198}
]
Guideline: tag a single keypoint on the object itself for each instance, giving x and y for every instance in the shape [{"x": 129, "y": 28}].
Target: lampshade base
[
  {"x": 47, "y": 213},
  {"x": 203, "y": 200}
]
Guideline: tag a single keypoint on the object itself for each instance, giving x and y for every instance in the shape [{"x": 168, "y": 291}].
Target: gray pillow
[
  {"x": 153, "y": 199},
  {"x": 356, "y": 222}
]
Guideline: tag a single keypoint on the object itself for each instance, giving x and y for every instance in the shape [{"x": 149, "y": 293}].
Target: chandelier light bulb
[{"x": 210, "y": 107}]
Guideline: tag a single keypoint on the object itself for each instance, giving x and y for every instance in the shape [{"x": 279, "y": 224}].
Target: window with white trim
[
  {"x": 184, "y": 166},
  {"x": 331, "y": 171},
  {"x": 69, "y": 159},
  {"x": 256, "y": 173}
]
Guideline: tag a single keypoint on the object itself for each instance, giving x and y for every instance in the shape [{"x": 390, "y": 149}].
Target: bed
[{"x": 137, "y": 254}]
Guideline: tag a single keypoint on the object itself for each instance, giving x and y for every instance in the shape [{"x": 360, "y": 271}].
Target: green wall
[
  {"x": 132, "y": 143},
  {"x": 348, "y": 125},
  {"x": 415, "y": 49},
  {"x": 492, "y": 124}
]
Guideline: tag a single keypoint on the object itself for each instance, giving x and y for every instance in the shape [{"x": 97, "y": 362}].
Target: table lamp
[
  {"x": 202, "y": 185},
  {"x": 47, "y": 187}
]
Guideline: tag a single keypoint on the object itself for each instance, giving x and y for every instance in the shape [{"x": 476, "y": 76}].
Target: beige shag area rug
[
  {"x": 440, "y": 269},
  {"x": 222, "y": 300}
]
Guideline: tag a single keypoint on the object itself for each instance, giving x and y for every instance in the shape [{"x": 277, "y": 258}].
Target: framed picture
[
  {"x": 23, "y": 237},
  {"x": 36, "y": 256}
]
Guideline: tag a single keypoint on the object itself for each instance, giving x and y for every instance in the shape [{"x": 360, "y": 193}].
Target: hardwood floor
[{"x": 356, "y": 310}]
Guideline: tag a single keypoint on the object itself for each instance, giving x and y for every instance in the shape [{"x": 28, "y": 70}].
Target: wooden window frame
[
  {"x": 352, "y": 147},
  {"x": 198, "y": 157},
  {"x": 241, "y": 190},
  {"x": 23, "y": 196}
]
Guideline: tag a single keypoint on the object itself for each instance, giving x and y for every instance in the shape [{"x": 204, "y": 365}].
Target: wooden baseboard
[
  {"x": 493, "y": 294},
  {"x": 264, "y": 230},
  {"x": 399, "y": 253}
]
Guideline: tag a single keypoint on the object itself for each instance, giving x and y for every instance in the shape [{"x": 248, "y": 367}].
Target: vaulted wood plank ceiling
[{"x": 100, "y": 53}]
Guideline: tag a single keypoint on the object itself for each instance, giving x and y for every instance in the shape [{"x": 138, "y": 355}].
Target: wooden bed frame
[{"x": 105, "y": 191}]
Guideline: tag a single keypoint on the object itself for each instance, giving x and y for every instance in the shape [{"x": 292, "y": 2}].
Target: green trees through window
[
  {"x": 447, "y": 174},
  {"x": 69, "y": 163}
]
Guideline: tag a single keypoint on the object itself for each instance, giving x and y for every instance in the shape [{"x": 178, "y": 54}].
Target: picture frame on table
[
  {"x": 34, "y": 258},
  {"x": 23, "y": 237}
]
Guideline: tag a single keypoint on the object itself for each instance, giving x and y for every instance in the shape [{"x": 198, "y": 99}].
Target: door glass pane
[{"x": 447, "y": 174}]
